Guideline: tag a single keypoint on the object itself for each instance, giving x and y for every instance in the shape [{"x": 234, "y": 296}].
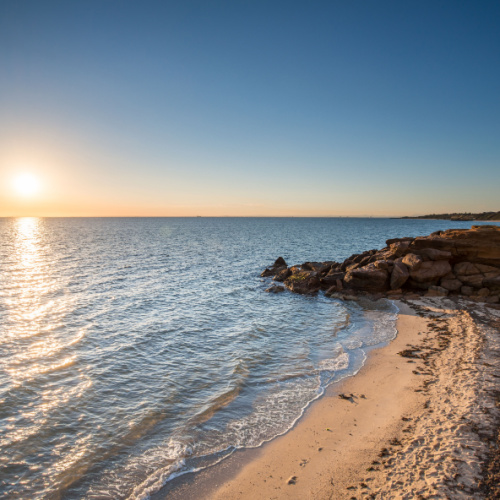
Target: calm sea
[{"x": 135, "y": 350}]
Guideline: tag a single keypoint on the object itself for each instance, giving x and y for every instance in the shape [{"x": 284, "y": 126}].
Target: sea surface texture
[{"x": 135, "y": 350}]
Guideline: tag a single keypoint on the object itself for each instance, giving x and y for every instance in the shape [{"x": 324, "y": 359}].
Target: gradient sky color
[{"x": 128, "y": 108}]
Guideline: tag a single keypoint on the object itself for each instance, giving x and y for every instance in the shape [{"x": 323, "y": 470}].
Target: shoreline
[{"x": 394, "y": 433}]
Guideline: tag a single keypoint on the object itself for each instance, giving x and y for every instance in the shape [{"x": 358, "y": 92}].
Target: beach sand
[{"x": 417, "y": 425}]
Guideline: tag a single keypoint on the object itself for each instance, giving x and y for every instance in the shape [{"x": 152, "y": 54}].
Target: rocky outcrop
[{"x": 456, "y": 261}]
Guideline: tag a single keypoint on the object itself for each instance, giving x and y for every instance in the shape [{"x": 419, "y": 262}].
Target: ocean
[{"x": 133, "y": 350}]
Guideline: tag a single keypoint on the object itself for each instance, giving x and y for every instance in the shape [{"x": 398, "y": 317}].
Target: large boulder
[
  {"x": 465, "y": 269},
  {"x": 434, "y": 254},
  {"x": 492, "y": 283},
  {"x": 412, "y": 261},
  {"x": 474, "y": 280},
  {"x": 399, "y": 275},
  {"x": 368, "y": 278},
  {"x": 430, "y": 271},
  {"x": 452, "y": 285}
]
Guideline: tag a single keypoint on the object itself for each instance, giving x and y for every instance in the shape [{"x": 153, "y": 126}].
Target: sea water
[{"x": 133, "y": 350}]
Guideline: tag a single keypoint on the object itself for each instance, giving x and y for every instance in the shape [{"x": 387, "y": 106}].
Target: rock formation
[{"x": 455, "y": 261}]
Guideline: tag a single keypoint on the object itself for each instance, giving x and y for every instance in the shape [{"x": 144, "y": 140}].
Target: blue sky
[{"x": 250, "y": 108}]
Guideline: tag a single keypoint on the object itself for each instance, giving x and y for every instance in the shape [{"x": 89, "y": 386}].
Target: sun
[{"x": 26, "y": 184}]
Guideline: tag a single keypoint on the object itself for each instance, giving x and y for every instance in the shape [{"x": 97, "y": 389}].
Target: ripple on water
[{"x": 134, "y": 350}]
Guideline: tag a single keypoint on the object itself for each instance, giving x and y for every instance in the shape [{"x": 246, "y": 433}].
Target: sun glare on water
[{"x": 26, "y": 184}]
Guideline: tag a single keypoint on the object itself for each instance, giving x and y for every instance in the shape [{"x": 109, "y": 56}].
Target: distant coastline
[{"x": 459, "y": 216}]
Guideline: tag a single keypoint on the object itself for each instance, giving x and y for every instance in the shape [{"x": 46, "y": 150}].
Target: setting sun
[{"x": 26, "y": 184}]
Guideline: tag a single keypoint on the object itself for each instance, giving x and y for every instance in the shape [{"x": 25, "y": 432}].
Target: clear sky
[{"x": 310, "y": 108}]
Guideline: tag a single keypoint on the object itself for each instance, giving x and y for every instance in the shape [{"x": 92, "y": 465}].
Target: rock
[
  {"x": 492, "y": 283},
  {"x": 398, "y": 240},
  {"x": 434, "y": 254},
  {"x": 367, "y": 278},
  {"x": 279, "y": 265},
  {"x": 436, "y": 291},
  {"x": 331, "y": 278},
  {"x": 479, "y": 244},
  {"x": 399, "y": 275},
  {"x": 282, "y": 275},
  {"x": 449, "y": 276},
  {"x": 452, "y": 285},
  {"x": 411, "y": 283},
  {"x": 475, "y": 280},
  {"x": 488, "y": 271},
  {"x": 465, "y": 269},
  {"x": 313, "y": 266},
  {"x": 483, "y": 292},
  {"x": 399, "y": 248},
  {"x": 275, "y": 289},
  {"x": 303, "y": 282},
  {"x": 412, "y": 261},
  {"x": 430, "y": 271},
  {"x": 493, "y": 299},
  {"x": 280, "y": 262},
  {"x": 268, "y": 272},
  {"x": 395, "y": 294},
  {"x": 418, "y": 264}
]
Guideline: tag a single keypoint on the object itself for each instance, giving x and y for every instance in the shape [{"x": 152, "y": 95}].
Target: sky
[{"x": 249, "y": 108}]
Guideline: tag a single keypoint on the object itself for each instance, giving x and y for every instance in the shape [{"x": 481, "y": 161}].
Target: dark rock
[
  {"x": 483, "y": 292},
  {"x": 492, "y": 283},
  {"x": 452, "y": 285},
  {"x": 280, "y": 262},
  {"x": 434, "y": 254},
  {"x": 436, "y": 291},
  {"x": 417, "y": 285},
  {"x": 331, "y": 278},
  {"x": 475, "y": 280},
  {"x": 312, "y": 266},
  {"x": 303, "y": 282},
  {"x": 367, "y": 278},
  {"x": 416, "y": 264},
  {"x": 282, "y": 275},
  {"x": 430, "y": 271},
  {"x": 465, "y": 269},
  {"x": 275, "y": 289},
  {"x": 399, "y": 275},
  {"x": 412, "y": 261},
  {"x": 381, "y": 264},
  {"x": 279, "y": 265}
]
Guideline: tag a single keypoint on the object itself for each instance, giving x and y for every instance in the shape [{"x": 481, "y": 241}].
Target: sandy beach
[{"x": 420, "y": 420}]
